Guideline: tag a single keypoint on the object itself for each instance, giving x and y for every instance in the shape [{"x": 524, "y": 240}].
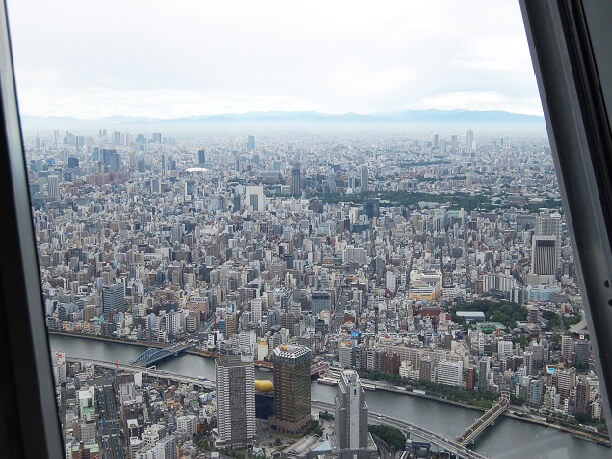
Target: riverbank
[
  {"x": 584, "y": 435},
  {"x": 449, "y": 421},
  {"x": 149, "y": 344},
  {"x": 588, "y": 436},
  {"x": 419, "y": 395},
  {"x": 109, "y": 339}
]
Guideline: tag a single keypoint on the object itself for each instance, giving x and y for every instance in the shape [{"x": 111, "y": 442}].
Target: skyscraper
[
  {"x": 436, "y": 141},
  {"x": 296, "y": 181},
  {"x": 53, "y": 187},
  {"x": 235, "y": 401},
  {"x": 251, "y": 142},
  {"x": 469, "y": 139},
  {"x": 113, "y": 299},
  {"x": 364, "y": 179},
  {"x": 371, "y": 207},
  {"x": 291, "y": 388},
  {"x": 201, "y": 157},
  {"x": 351, "y": 413},
  {"x": 544, "y": 255},
  {"x": 548, "y": 225}
]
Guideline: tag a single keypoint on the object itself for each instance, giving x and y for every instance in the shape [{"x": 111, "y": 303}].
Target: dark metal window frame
[
  {"x": 29, "y": 421},
  {"x": 580, "y": 139},
  {"x": 581, "y": 143}
]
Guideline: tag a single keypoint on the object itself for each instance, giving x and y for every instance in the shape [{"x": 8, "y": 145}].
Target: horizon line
[{"x": 264, "y": 112}]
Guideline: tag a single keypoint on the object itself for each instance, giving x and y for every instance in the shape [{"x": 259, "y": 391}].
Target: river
[{"x": 509, "y": 438}]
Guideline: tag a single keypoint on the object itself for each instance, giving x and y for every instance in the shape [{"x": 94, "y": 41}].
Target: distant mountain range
[{"x": 404, "y": 116}]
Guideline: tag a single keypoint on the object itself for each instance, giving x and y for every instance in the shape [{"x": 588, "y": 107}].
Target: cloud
[{"x": 166, "y": 59}]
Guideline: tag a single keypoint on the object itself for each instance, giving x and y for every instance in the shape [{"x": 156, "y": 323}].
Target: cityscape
[{"x": 284, "y": 293}]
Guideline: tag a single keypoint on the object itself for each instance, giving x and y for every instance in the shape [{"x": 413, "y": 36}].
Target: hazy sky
[{"x": 168, "y": 59}]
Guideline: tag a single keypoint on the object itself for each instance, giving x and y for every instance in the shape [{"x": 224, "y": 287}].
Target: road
[
  {"x": 445, "y": 443},
  {"x": 442, "y": 442},
  {"x": 151, "y": 371}
]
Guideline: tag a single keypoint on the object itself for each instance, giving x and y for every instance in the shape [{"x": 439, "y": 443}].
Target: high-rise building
[
  {"x": 582, "y": 351},
  {"x": 548, "y": 225},
  {"x": 156, "y": 137},
  {"x": 201, "y": 157},
  {"x": 469, "y": 139},
  {"x": 436, "y": 141},
  {"x": 425, "y": 369},
  {"x": 296, "y": 181},
  {"x": 483, "y": 374},
  {"x": 528, "y": 362},
  {"x": 583, "y": 395},
  {"x": 72, "y": 162},
  {"x": 254, "y": 198},
  {"x": 566, "y": 379},
  {"x": 111, "y": 160},
  {"x": 165, "y": 447},
  {"x": 450, "y": 373},
  {"x": 291, "y": 388},
  {"x": 567, "y": 348},
  {"x": 113, "y": 299},
  {"x": 320, "y": 301},
  {"x": 236, "y": 423},
  {"x": 351, "y": 412},
  {"x": 504, "y": 349},
  {"x": 364, "y": 179},
  {"x": 345, "y": 349},
  {"x": 53, "y": 187},
  {"x": 371, "y": 207},
  {"x": 231, "y": 324},
  {"x": 251, "y": 142},
  {"x": 257, "y": 309},
  {"x": 470, "y": 378},
  {"x": 544, "y": 255},
  {"x": 535, "y": 392}
]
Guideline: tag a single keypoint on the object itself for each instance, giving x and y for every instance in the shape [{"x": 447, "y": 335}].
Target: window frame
[
  {"x": 579, "y": 133},
  {"x": 581, "y": 143},
  {"x": 29, "y": 420}
]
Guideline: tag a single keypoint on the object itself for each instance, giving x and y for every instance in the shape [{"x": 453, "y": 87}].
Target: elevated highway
[
  {"x": 450, "y": 445},
  {"x": 152, "y": 372},
  {"x": 447, "y": 444}
]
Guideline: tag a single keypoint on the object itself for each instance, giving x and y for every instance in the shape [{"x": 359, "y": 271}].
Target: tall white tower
[
  {"x": 351, "y": 413},
  {"x": 236, "y": 423}
]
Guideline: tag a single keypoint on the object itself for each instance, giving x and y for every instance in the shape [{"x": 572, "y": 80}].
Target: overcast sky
[{"x": 169, "y": 59}]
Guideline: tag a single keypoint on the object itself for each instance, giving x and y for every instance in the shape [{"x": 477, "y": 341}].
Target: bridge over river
[
  {"x": 446, "y": 444},
  {"x": 484, "y": 421},
  {"x": 154, "y": 355}
]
